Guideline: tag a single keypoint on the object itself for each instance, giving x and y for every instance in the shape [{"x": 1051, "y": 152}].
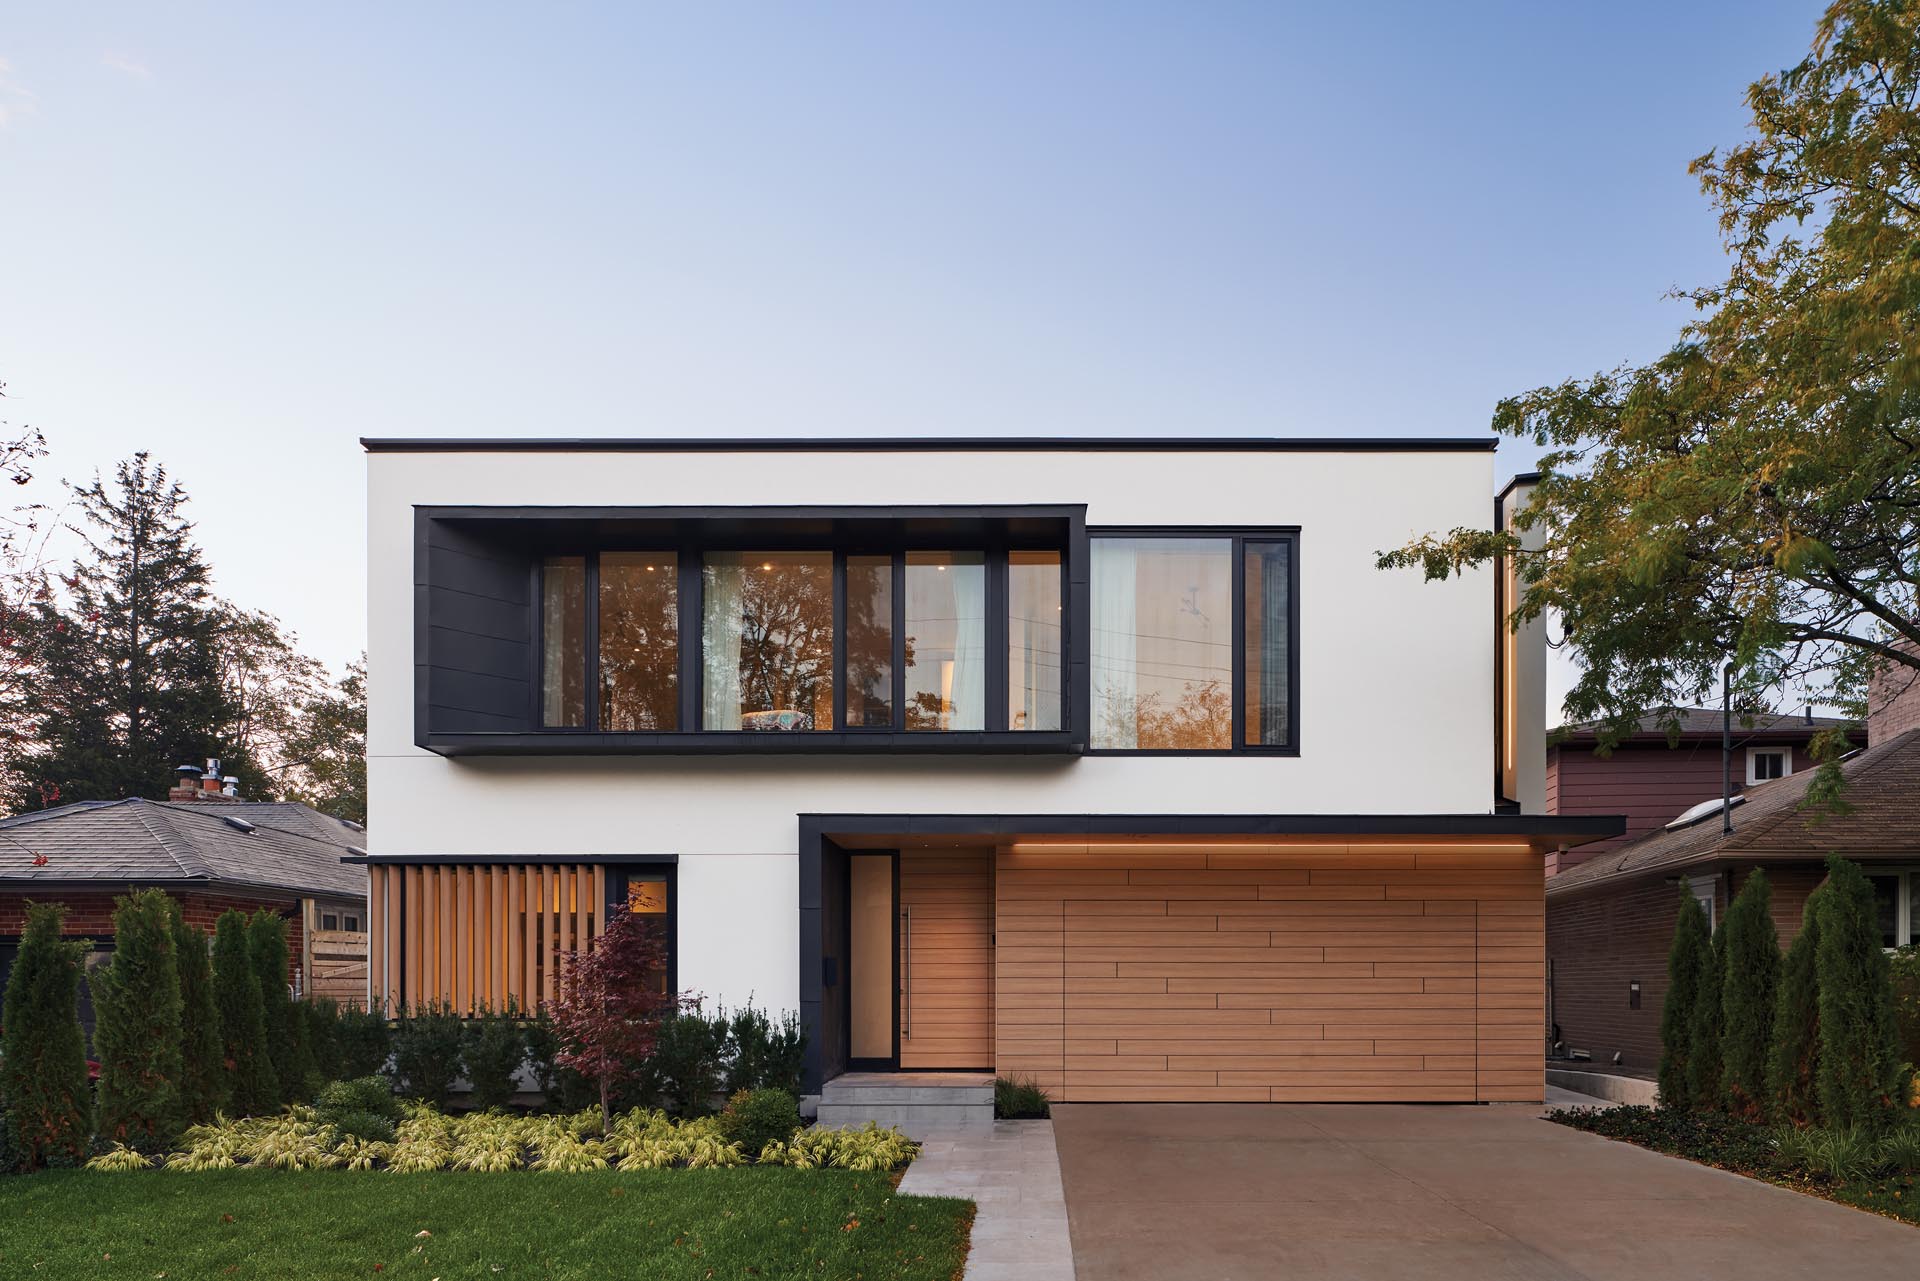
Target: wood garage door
[{"x": 1271, "y": 973}]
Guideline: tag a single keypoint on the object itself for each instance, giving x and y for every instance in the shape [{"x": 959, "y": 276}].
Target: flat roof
[{"x": 924, "y": 444}]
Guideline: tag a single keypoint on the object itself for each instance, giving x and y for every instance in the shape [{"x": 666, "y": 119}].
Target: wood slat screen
[
  {"x": 476, "y": 936},
  {"x": 1333, "y": 973}
]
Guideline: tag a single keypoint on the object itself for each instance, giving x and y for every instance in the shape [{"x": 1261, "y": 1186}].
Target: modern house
[
  {"x": 211, "y": 852},
  {"x": 1047, "y": 757},
  {"x": 1672, "y": 761},
  {"x": 1610, "y": 918}
]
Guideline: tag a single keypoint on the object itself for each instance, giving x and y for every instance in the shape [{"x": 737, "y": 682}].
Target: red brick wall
[
  {"x": 1650, "y": 784},
  {"x": 1598, "y": 943},
  {"x": 90, "y": 914},
  {"x": 1893, "y": 702}
]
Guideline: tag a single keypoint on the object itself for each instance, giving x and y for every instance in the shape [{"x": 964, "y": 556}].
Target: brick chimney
[
  {"x": 1893, "y": 700},
  {"x": 192, "y": 783}
]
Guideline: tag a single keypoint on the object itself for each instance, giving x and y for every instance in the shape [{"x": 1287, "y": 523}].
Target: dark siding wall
[
  {"x": 477, "y": 633},
  {"x": 1599, "y": 943},
  {"x": 1651, "y": 785}
]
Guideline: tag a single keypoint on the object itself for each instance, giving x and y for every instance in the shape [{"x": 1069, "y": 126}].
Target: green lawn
[{"x": 753, "y": 1222}]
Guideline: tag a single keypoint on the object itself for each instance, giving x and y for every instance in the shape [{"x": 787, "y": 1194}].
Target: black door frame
[{"x": 892, "y": 1062}]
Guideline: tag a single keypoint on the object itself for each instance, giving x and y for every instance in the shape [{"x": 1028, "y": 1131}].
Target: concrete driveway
[{"x": 1207, "y": 1192}]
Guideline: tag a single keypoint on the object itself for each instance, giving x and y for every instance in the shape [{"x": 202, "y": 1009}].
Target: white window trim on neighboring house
[
  {"x": 1755, "y": 753},
  {"x": 1906, "y": 918},
  {"x": 1705, "y": 889}
]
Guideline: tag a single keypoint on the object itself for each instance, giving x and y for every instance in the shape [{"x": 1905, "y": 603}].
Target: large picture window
[
  {"x": 639, "y": 642},
  {"x": 1193, "y": 640},
  {"x": 1036, "y": 627},
  {"x": 767, "y": 641},
  {"x": 1163, "y": 643},
  {"x": 840, "y": 641},
  {"x": 946, "y": 641}
]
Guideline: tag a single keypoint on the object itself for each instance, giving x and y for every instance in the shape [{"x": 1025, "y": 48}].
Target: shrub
[
  {"x": 494, "y": 1047},
  {"x": 426, "y": 1052},
  {"x": 136, "y": 1034},
  {"x": 267, "y": 944},
  {"x": 754, "y": 1118},
  {"x": 243, "y": 1019},
  {"x": 43, "y": 1054},
  {"x": 763, "y": 1055},
  {"x": 1791, "y": 1090},
  {"x": 685, "y": 1070},
  {"x": 1703, "y": 1057},
  {"x": 1685, "y": 960},
  {"x": 322, "y": 1016},
  {"x": 361, "y": 1094},
  {"x": 364, "y": 1040},
  {"x": 561, "y": 1088},
  {"x": 1019, "y": 1098},
  {"x": 1860, "y": 1075},
  {"x": 205, "y": 1086},
  {"x": 1747, "y": 1000},
  {"x": 1904, "y": 967}
]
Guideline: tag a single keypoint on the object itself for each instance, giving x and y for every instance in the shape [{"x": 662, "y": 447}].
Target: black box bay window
[{"x": 751, "y": 629}]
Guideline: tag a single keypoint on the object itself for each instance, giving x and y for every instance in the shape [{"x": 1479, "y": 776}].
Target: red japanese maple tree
[{"x": 611, "y": 1003}]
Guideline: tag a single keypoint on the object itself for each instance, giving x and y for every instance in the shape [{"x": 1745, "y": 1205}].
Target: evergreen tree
[
  {"x": 205, "y": 1087},
  {"x": 1709, "y": 1026},
  {"x": 1859, "y": 1072},
  {"x": 1684, "y": 961},
  {"x": 136, "y": 1034},
  {"x": 1791, "y": 1065},
  {"x": 127, "y": 680},
  {"x": 1747, "y": 1001},
  {"x": 267, "y": 945},
  {"x": 243, "y": 1020},
  {"x": 43, "y": 1053}
]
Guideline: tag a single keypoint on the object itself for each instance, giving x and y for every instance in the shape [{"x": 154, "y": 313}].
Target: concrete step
[
  {"x": 915, "y": 1120},
  {"x": 901, "y": 1095}
]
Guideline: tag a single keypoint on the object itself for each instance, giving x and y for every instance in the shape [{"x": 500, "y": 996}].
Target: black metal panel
[
  {"x": 509, "y": 741},
  {"x": 474, "y": 621}
]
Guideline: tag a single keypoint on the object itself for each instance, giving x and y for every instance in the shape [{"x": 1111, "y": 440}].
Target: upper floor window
[
  {"x": 1767, "y": 763},
  {"x": 803, "y": 641},
  {"x": 767, "y": 641},
  {"x": 1193, "y": 642}
]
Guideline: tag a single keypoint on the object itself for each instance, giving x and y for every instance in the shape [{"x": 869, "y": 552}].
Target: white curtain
[
  {"x": 969, "y": 706},
  {"x": 722, "y": 623},
  {"x": 1116, "y": 684}
]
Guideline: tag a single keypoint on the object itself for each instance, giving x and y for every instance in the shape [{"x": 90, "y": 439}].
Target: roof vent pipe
[{"x": 230, "y": 786}]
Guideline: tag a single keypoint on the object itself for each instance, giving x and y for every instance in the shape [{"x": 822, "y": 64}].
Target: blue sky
[{"x": 244, "y": 235}]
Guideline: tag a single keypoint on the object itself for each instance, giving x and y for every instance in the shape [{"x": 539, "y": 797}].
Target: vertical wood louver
[{"x": 475, "y": 937}]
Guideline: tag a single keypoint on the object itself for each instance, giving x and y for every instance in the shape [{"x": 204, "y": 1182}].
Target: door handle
[{"x": 906, "y": 974}]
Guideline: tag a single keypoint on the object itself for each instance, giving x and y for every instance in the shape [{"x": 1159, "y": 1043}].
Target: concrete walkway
[
  {"x": 1012, "y": 1173},
  {"x": 1243, "y": 1193}
]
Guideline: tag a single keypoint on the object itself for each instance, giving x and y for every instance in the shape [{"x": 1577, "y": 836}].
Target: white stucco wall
[{"x": 1395, "y": 697}]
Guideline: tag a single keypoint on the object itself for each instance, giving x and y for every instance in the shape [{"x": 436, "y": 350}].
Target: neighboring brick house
[
  {"x": 1654, "y": 774},
  {"x": 1610, "y": 919},
  {"x": 206, "y": 849}
]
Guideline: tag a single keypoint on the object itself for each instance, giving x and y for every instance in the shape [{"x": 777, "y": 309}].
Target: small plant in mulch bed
[{"x": 1019, "y": 1098}]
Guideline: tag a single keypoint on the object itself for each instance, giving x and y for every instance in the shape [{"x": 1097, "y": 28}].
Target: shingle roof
[
  {"x": 291, "y": 847},
  {"x": 1883, "y": 818},
  {"x": 1704, "y": 722}
]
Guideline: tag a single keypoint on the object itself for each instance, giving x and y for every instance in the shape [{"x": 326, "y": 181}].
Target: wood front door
[{"x": 946, "y": 959}]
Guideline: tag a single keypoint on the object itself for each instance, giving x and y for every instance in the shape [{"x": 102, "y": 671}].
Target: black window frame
[{"x": 1239, "y": 536}]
